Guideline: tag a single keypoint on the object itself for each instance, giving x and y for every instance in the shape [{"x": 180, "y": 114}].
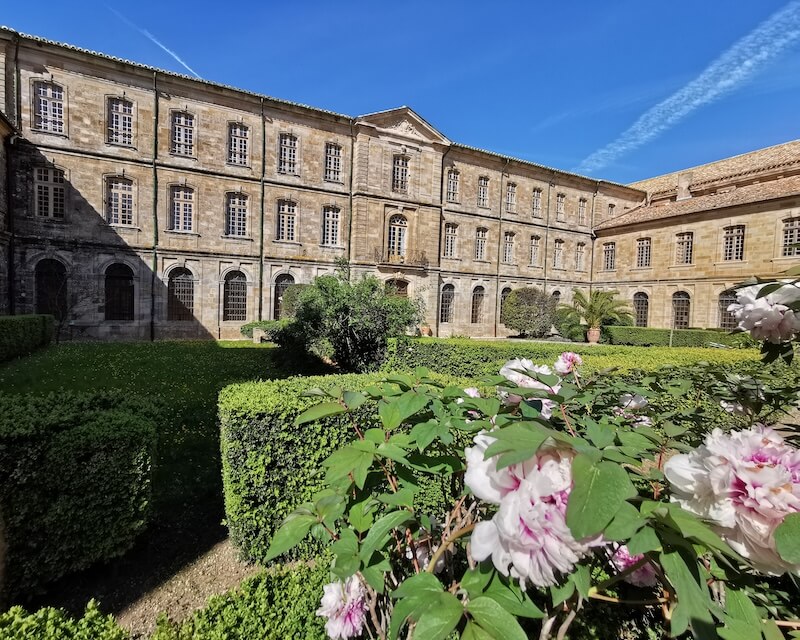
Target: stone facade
[{"x": 213, "y": 198}]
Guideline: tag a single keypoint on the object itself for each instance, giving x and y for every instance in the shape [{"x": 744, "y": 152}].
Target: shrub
[
  {"x": 55, "y": 624},
  {"x": 271, "y": 328},
  {"x": 529, "y": 311},
  {"x": 277, "y": 604},
  {"x": 75, "y": 482},
  {"x": 650, "y": 337},
  {"x": 20, "y": 335}
]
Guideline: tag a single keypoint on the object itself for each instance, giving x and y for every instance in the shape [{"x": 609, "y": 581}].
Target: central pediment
[{"x": 404, "y": 123}]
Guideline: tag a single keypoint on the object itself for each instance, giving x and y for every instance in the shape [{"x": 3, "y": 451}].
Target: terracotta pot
[
  {"x": 425, "y": 330},
  {"x": 593, "y": 335}
]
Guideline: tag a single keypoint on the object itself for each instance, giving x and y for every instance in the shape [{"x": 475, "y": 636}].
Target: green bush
[
  {"x": 75, "y": 482},
  {"x": 271, "y": 328},
  {"x": 277, "y": 604},
  {"x": 650, "y": 337},
  {"x": 529, "y": 311},
  {"x": 20, "y": 335},
  {"x": 55, "y": 624}
]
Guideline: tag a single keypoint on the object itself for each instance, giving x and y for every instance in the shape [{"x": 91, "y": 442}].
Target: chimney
[{"x": 684, "y": 180}]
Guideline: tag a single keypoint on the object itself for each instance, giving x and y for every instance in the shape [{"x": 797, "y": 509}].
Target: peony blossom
[
  {"x": 767, "y": 318},
  {"x": 567, "y": 363},
  {"x": 472, "y": 392},
  {"x": 735, "y": 408},
  {"x": 344, "y": 604},
  {"x": 523, "y": 372},
  {"x": 644, "y": 576},
  {"x": 632, "y": 402},
  {"x": 636, "y": 419},
  {"x": 744, "y": 483}
]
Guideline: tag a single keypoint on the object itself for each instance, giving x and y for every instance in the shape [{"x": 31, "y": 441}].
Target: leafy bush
[
  {"x": 650, "y": 337},
  {"x": 277, "y": 604},
  {"x": 271, "y": 328},
  {"x": 529, "y": 311},
  {"x": 55, "y": 624},
  {"x": 75, "y": 481},
  {"x": 20, "y": 335}
]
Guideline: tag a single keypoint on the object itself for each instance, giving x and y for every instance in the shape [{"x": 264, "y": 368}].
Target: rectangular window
[
  {"x": 287, "y": 216},
  {"x": 238, "y": 137},
  {"x": 560, "y": 206},
  {"x": 182, "y": 209},
  {"x": 333, "y": 162},
  {"x": 330, "y": 226},
  {"x": 287, "y": 154},
  {"x": 582, "y": 211},
  {"x": 236, "y": 215},
  {"x": 119, "y": 201},
  {"x": 534, "y": 253},
  {"x": 580, "y": 253},
  {"x": 452, "y": 186},
  {"x": 50, "y": 193},
  {"x": 511, "y": 197},
  {"x": 643, "y": 246},
  {"x": 480, "y": 244},
  {"x": 791, "y": 237},
  {"x": 558, "y": 254},
  {"x": 483, "y": 191},
  {"x": 48, "y": 108},
  {"x": 450, "y": 236},
  {"x": 611, "y": 208},
  {"x": 733, "y": 245},
  {"x": 400, "y": 174},
  {"x": 182, "y": 133},
  {"x": 120, "y": 121},
  {"x": 537, "y": 203},
  {"x": 684, "y": 248},
  {"x": 609, "y": 256},
  {"x": 508, "y": 247}
]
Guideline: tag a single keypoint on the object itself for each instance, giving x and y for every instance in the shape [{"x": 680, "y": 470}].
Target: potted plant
[{"x": 592, "y": 311}]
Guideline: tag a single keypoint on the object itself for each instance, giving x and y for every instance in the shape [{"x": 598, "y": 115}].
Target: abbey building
[{"x": 139, "y": 203}]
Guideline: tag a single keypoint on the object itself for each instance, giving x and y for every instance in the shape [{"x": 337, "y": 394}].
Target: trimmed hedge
[
  {"x": 271, "y": 328},
  {"x": 277, "y": 604},
  {"x": 55, "y": 624},
  {"x": 20, "y": 335},
  {"x": 649, "y": 337},
  {"x": 75, "y": 482}
]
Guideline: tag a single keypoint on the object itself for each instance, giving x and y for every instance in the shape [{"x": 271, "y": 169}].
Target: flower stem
[{"x": 438, "y": 553}]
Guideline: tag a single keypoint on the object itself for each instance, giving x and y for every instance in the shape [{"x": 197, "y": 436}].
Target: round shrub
[{"x": 55, "y": 624}]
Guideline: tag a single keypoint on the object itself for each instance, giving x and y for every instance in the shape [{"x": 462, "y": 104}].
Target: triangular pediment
[{"x": 405, "y": 123}]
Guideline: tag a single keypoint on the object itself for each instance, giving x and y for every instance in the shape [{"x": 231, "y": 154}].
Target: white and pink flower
[
  {"x": 767, "y": 318},
  {"x": 344, "y": 604},
  {"x": 644, "y": 576},
  {"x": 567, "y": 363},
  {"x": 523, "y": 373}
]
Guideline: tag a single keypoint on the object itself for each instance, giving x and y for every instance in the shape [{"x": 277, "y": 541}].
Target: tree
[
  {"x": 529, "y": 311},
  {"x": 590, "y": 313}
]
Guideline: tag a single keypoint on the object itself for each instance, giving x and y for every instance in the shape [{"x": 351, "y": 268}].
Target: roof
[{"x": 748, "y": 194}]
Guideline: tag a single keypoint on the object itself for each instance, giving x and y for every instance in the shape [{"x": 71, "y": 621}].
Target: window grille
[
  {"x": 558, "y": 254},
  {"x": 120, "y": 121},
  {"x": 287, "y": 218},
  {"x": 182, "y": 210},
  {"x": 681, "y": 308},
  {"x": 643, "y": 252},
  {"x": 511, "y": 197},
  {"x": 398, "y": 225},
  {"x": 791, "y": 237},
  {"x": 641, "y": 308},
  {"x": 537, "y": 203},
  {"x": 50, "y": 193},
  {"x": 282, "y": 283},
  {"x": 609, "y": 256},
  {"x": 234, "y": 297},
  {"x": 476, "y": 316},
  {"x": 287, "y": 156},
  {"x": 119, "y": 201},
  {"x": 400, "y": 174},
  {"x": 330, "y": 226},
  {"x": 534, "y": 253},
  {"x": 182, "y": 133},
  {"x": 726, "y": 319},
  {"x": 48, "y": 108},
  {"x": 333, "y": 162},
  {"x": 180, "y": 295},
  {"x": 480, "y": 244},
  {"x": 238, "y": 137},
  {"x": 446, "y": 308},
  {"x": 508, "y": 247},
  {"x": 450, "y": 238},
  {"x": 483, "y": 191},
  {"x": 733, "y": 243},
  {"x": 684, "y": 248},
  {"x": 236, "y": 214},
  {"x": 452, "y": 185},
  {"x": 119, "y": 292}
]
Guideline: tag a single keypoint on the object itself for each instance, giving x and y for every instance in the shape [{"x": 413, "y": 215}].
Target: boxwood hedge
[
  {"x": 75, "y": 482},
  {"x": 650, "y": 337},
  {"x": 20, "y": 335},
  {"x": 55, "y": 624}
]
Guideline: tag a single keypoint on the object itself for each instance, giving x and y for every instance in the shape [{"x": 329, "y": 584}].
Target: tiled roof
[{"x": 780, "y": 188}]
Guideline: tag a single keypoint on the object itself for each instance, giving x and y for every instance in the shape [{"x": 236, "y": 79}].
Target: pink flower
[
  {"x": 523, "y": 372},
  {"x": 472, "y": 392},
  {"x": 567, "y": 363},
  {"x": 644, "y": 576},
  {"x": 344, "y": 604},
  {"x": 767, "y": 318},
  {"x": 745, "y": 483}
]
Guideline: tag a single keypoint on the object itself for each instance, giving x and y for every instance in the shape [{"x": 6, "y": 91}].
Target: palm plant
[{"x": 592, "y": 311}]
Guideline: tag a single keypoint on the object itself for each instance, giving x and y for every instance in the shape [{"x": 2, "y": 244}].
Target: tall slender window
[
  {"x": 48, "y": 108},
  {"x": 609, "y": 256},
  {"x": 120, "y": 121},
  {"x": 450, "y": 238},
  {"x": 182, "y": 133},
  {"x": 236, "y": 214},
  {"x": 282, "y": 283},
  {"x": 643, "y": 252},
  {"x": 582, "y": 211},
  {"x": 681, "y": 310},
  {"x": 477, "y": 305},
  {"x": 641, "y": 308},
  {"x": 182, "y": 209},
  {"x": 119, "y": 201},
  {"x": 333, "y": 162},
  {"x": 287, "y": 221},
  {"x": 561, "y": 206},
  {"x": 180, "y": 295},
  {"x": 508, "y": 247},
  {"x": 483, "y": 191},
  {"x": 238, "y": 142},
  {"x": 119, "y": 292},
  {"x": 558, "y": 254},
  {"x": 287, "y": 154},
  {"x": 480, "y": 243},
  {"x": 791, "y": 237},
  {"x": 611, "y": 208},
  {"x": 534, "y": 251},
  {"x": 452, "y": 185},
  {"x": 537, "y": 203},
  {"x": 446, "y": 307},
  {"x": 50, "y": 193},
  {"x": 580, "y": 256},
  {"x": 726, "y": 319},
  {"x": 234, "y": 297},
  {"x": 733, "y": 243},
  {"x": 684, "y": 247},
  {"x": 511, "y": 197},
  {"x": 51, "y": 284},
  {"x": 400, "y": 174},
  {"x": 330, "y": 226},
  {"x": 398, "y": 226}
]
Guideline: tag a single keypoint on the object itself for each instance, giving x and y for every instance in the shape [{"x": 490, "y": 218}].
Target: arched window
[
  {"x": 477, "y": 305},
  {"x": 234, "y": 297},
  {"x": 119, "y": 292},
  {"x": 51, "y": 288},
  {"x": 180, "y": 295},
  {"x": 641, "y": 308},
  {"x": 726, "y": 319},
  {"x": 446, "y": 308},
  {"x": 503, "y": 295},
  {"x": 282, "y": 283},
  {"x": 398, "y": 225},
  {"x": 681, "y": 308},
  {"x": 556, "y": 295},
  {"x": 397, "y": 287}
]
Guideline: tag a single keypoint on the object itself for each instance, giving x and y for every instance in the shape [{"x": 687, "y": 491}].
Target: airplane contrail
[
  {"x": 730, "y": 70},
  {"x": 155, "y": 41}
]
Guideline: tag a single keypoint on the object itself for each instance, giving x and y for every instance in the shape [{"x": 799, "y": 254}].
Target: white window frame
[
  {"x": 684, "y": 248},
  {"x": 237, "y": 208},
  {"x": 119, "y": 201},
  {"x": 238, "y": 144},
  {"x": 791, "y": 237},
  {"x": 288, "y": 144},
  {"x": 450, "y": 239},
  {"x": 400, "y": 173},
  {"x": 511, "y": 197},
  {"x": 558, "y": 254},
  {"x": 561, "y": 206},
  {"x": 397, "y": 236},
  {"x": 331, "y": 215},
  {"x": 119, "y": 121},
  {"x": 452, "y": 185},
  {"x": 483, "y": 192},
  {"x": 580, "y": 256},
  {"x": 49, "y": 193},
  {"x": 182, "y": 138},
  {"x": 333, "y": 162},
  {"x": 644, "y": 253},
  {"x": 286, "y": 229},
  {"x": 534, "y": 250},
  {"x": 610, "y": 256},
  {"x": 49, "y": 107},
  {"x": 733, "y": 243},
  {"x": 536, "y": 203},
  {"x": 582, "y": 211},
  {"x": 481, "y": 234},
  {"x": 508, "y": 247},
  {"x": 181, "y": 210}
]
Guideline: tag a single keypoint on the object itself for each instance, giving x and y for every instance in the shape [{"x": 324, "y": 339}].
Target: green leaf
[
  {"x": 290, "y": 533},
  {"x": 360, "y": 515},
  {"x": 598, "y": 493},
  {"x": 495, "y": 619},
  {"x": 787, "y": 538},
  {"x": 582, "y": 579},
  {"x": 393, "y": 452},
  {"x": 626, "y": 522},
  {"x": 440, "y": 619},
  {"x": 321, "y": 410},
  {"x": 508, "y": 595},
  {"x": 600, "y": 435},
  {"x": 402, "y": 498},
  {"x": 560, "y": 592},
  {"x": 374, "y": 573},
  {"x": 691, "y": 527},
  {"x": 345, "y": 549},
  {"x": 475, "y": 581},
  {"x": 740, "y": 630},
  {"x": 694, "y": 603},
  {"x": 353, "y": 399},
  {"x": 740, "y": 607},
  {"x": 426, "y": 432},
  {"x": 380, "y": 531},
  {"x": 403, "y": 610},
  {"x": 473, "y": 632},
  {"x": 346, "y": 461},
  {"x": 772, "y": 632},
  {"x": 419, "y": 582},
  {"x": 643, "y": 541},
  {"x": 515, "y": 443},
  {"x": 396, "y": 410}
]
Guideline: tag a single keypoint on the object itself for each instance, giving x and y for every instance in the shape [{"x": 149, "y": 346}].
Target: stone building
[{"x": 146, "y": 204}]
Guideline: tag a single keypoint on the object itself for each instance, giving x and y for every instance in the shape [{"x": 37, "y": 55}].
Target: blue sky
[{"x": 549, "y": 82}]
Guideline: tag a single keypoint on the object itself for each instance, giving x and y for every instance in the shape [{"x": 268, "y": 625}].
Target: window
[
  {"x": 582, "y": 211},
  {"x": 733, "y": 243},
  {"x": 51, "y": 288},
  {"x": 446, "y": 308},
  {"x": 791, "y": 237},
  {"x": 400, "y": 174},
  {"x": 398, "y": 225},
  {"x": 556, "y": 296},
  {"x": 641, "y": 308},
  {"x": 560, "y": 210},
  {"x": 120, "y": 121},
  {"x": 609, "y": 256},
  {"x": 450, "y": 237},
  {"x": 119, "y": 201},
  {"x": 236, "y": 214},
  {"x": 282, "y": 283},
  {"x": 333, "y": 162},
  {"x": 558, "y": 254},
  {"x": 511, "y": 197},
  {"x": 537, "y": 203},
  {"x": 287, "y": 219},
  {"x": 534, "y": 252},
  {"x": 508, "y": 247},
  {"x": 681, "y": 307},
  {"x": 483, "y": 191},
  {"x": 181, "y": 209},
  {"x": 238, "y": 137},
  {"x": 452, "y": 185},
  {"x": 234, "y": 297},
  {"x": 50, "y": 193},
  {"x": 119, "y": 292},
  {"x": 684, "y": 248},
  {"x": 48, "y": 108},
  {"x": 503, "y": 295},
  {"x": 287, "y": 154},
  {"x": 182, "y": 133},
  {"x": 477, "y": 305},
  {"x": 726, "y": 319},
  {"x": 397, "y": 287},
  {"x": 480, "y": 243},
  {"x": 643, "y": 251},
  {"x": 611, "y": 208},
  {"x": 330, "y": 226},
  {"x": 580, "y": 256},
  {"x": 180, "y": 295}
]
